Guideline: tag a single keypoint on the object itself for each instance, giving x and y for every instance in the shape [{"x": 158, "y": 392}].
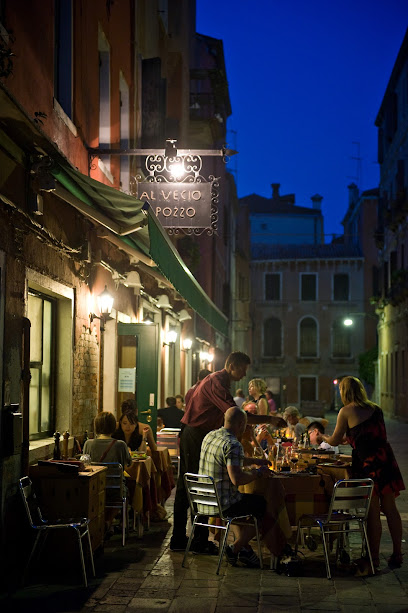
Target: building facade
[
  {"x": 392, "y": 240},
  {"x": 79, "y": 107}
]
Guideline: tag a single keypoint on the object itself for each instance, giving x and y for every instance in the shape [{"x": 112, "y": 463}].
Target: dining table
[
  {"x": 288, "y": 496},
  {"x": 141, "y": 484},
  {"x": 163, "y": 476}
]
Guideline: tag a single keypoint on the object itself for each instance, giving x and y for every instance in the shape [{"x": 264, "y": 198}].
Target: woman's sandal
[{"x": 395, "y": 561}]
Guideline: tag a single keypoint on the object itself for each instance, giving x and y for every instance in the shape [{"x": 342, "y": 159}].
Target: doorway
[{"x": 138, "y": 369}]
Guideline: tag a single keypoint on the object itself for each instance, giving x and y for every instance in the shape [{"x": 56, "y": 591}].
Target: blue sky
[{"x": 306, "y": 82}]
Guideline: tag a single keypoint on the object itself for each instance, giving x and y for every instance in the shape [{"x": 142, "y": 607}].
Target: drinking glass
[{"x": 86, "y": 459}]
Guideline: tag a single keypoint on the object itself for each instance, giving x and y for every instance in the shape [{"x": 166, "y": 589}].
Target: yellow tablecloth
[
  {"x": 287, "y": 498},
  {"x": 141, "y": 472},
  {"x": 164, "y": 472}
]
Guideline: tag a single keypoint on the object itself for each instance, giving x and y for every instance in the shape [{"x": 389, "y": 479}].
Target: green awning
[
  {"x": 127, "y": 212},
  {"x": 173, "y": 268}
]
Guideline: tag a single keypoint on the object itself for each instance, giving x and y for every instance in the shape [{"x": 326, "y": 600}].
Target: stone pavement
[{"x": 145, "y": 576}]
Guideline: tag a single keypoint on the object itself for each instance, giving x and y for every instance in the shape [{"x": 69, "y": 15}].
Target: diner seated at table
[
  {"x": 222, "y": 457},
  {"x": 134, "y": 433},
  {"x": 104, "y": 448},
  {"x": 297, "y": 425},
  {"x": 315, "y": 431}
]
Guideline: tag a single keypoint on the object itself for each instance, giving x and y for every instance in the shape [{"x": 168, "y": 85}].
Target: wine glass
[{"x": 294, "y": 458}]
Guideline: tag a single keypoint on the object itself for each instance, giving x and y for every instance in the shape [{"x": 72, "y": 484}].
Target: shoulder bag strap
[{"x": 103, "y": 456}]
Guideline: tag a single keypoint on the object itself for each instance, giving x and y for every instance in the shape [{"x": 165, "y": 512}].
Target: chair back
[
  {"x": 30, "y": 503},
  {"x": 201, "y": 490},
  {"x": 351, "y": 496},
  {"x": 115, "y": 484},
  {"x": 170, "y": 440}
]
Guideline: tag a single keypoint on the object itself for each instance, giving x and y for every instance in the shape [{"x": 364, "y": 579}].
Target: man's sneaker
[
  {"x": 178, "y": 544},
  {"x": 231, "y": 556},
  {"x": 249, "y": 558},
  {"x": 209, "y": 548}
]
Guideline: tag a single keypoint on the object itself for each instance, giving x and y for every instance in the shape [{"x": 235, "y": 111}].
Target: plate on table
[
  {"x": 336, "y": 465},
  {"x": 136, "y": 455}
]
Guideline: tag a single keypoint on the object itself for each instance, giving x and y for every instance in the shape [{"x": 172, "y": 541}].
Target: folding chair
[
  {"x": 349, "y": 504},
  {"x": 170, "y": 438},
  {"x": 116, "y": 495},
  {"x": 42, "y": 527},
  {"x": 202, "y": 489}
]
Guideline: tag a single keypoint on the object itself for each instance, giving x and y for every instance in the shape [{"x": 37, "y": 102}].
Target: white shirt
[{"x": 239, "y": 401}]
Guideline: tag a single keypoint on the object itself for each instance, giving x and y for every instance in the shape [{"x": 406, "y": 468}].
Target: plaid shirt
[{"x": 219, "y": 449}]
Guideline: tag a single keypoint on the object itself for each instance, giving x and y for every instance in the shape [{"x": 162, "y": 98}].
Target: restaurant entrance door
[{"x": 138, "y": 369}]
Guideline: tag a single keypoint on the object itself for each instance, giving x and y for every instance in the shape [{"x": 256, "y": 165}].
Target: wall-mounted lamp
[
  {"x": 206, "y": 357},
  {"x": 163, "y": 302},
  {"x": 105, "y": 304},
  {"x": 184, "y": 315},
  {"x": 187, "y": 344},
  {"x": 171, "y": 337},
  {"x": 148, "y": 318}
]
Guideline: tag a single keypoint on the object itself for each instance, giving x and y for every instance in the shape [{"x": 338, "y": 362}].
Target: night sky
[{"x": 306, "y": 81}]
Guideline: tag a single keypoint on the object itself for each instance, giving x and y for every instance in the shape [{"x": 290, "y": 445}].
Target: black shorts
[{"x": 250, "y": 504}]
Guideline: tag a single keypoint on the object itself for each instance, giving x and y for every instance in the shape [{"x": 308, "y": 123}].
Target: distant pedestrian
[{"x": 239, "y": 398}]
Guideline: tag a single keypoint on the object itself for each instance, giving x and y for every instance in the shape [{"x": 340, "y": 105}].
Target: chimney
[
  {"x": 275, "y": 190},
  {"x": 317, "y": 201},
  {"x": 353, "y": 193}
]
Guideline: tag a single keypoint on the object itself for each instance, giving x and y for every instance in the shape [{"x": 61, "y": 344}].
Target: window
[
  {"x": 272, "y": 286},
  {"x": 308, "y": 285},
  {"x": 41, "y": 315},
  {"x": 104, "y": 96},
  {"x": 341, "y": 287},
  {"x": 63, "y": 55},
  {"x": 307, "y": 389},
  {"x": 308, "y": 338},
  {"x": 341, "y": 340},
  {"x": 124, "y": 133},
  {"x": 272, "y": 338}
]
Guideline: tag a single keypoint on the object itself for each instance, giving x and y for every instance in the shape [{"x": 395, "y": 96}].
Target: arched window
[
  {"x": 308, "y": 338},
  {"x": 341, "y": 340},
  {"x": 272, "y": 338}
]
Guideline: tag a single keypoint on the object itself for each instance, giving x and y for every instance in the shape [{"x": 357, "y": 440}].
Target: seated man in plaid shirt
[{"x": 222, "y": 457}]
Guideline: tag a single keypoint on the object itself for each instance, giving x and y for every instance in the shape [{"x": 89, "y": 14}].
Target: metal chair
[
  {"x": 42, "y": 527},
  {"x": 349, "y": 505},
  {"x": 201, "y": 489},
  {"x": 170, "y": 438},
  {"x": 116, "y": 494}
]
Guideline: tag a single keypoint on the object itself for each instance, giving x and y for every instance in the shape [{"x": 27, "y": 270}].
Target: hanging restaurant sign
[
  {"x": 178, "y": 205},
  {"x": 180, "y": 196}
]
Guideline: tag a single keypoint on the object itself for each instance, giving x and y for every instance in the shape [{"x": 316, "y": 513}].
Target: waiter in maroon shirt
[{"x": 204, "y": 412}]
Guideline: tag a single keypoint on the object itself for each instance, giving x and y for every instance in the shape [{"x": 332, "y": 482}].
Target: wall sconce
[
  {"x": 148, "y": 318},
  {"x": 187, "y": 344},
  {"x": 206, "y": 357},
  {"x": 184, "y": 315},
  {"x": 171, "y": 337},
  {"x": 105, "y": 304},
  {"x": 163, "y": 302}
]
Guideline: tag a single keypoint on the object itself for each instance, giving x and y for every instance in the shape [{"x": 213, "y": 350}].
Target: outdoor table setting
[
  {"x": 163, "y": 476},
  {"x": 140, "y": 480}
]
